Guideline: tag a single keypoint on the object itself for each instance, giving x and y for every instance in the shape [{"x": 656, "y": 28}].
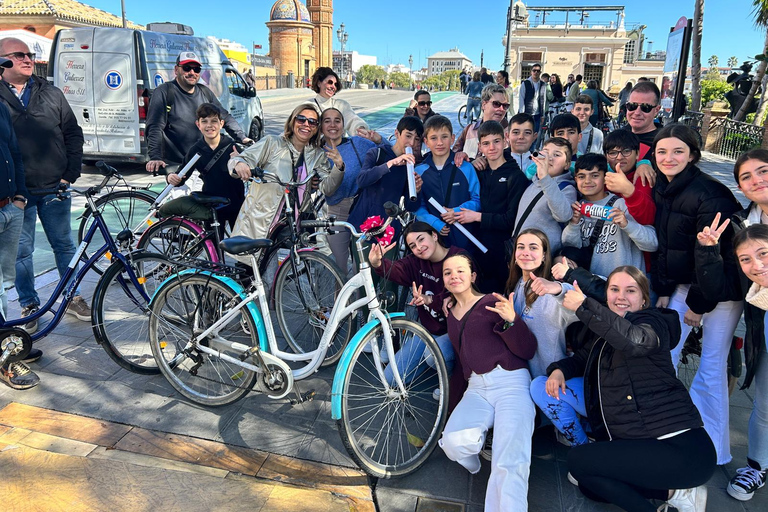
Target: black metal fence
[
  {"x": 733, "y": 137},
  {"x": 264, "y": 83},
  {"x": 693, "y": 119}
]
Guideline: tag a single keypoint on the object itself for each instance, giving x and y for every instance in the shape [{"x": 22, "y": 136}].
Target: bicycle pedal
[{"x": 303, "y": 397}]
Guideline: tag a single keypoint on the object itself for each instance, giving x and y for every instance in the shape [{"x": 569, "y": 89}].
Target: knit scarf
[{"x": 758, "y": 296}]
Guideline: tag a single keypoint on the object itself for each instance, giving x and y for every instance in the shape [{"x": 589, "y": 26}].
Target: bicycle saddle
[
  {"x": 243, "y": 245},
  {"x": 211, "y": 201}
]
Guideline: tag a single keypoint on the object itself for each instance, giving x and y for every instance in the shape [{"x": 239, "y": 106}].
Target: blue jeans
[
  {"x": 10, "y": 229},
  {"x": 411, "y": 361},
  {"x": 757, "y": 443},
  {"x": 565, "y": 413},
  {"x": 473, "y": 105},
  {"x": 55, "y": 218}
]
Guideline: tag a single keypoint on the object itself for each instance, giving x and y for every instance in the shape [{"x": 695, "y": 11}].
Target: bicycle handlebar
[
  {"x": 63, "y": 187},
  {"x": 330, "y": 223},
  {"x": 262, "y": 175}
]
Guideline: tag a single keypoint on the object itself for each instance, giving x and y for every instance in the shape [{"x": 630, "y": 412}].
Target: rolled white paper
[
  {"x": 458, "y": 226},
  {"x": 182, "y": 173},
  {"x": 411, "y": 177}
]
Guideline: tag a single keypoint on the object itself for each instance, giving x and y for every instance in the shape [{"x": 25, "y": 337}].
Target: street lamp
[
  {"x": 343, "y": 36},
  {"x": 410, "y": 68}
]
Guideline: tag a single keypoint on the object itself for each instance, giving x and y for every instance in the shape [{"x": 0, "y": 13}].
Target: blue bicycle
[{"x": 120, "y": 308}]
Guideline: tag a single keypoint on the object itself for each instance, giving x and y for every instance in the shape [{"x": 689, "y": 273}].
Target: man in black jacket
[
  {"x": 171, "y": 129},
  {"x": 51, "y": 144}
]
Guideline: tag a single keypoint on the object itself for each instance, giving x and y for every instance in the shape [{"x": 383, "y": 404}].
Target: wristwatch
[{"x": 20, "y": 198}]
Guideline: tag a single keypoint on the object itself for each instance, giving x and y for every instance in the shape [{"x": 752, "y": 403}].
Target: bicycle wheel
[
  {"x": 462, "y": 116},
  {"x": 120, "y": 310},
  {"x": 120, "y": 209},
  {"x": 385, "y": 433},
  {"x": 690, "y": 358},
  {"x": 185, "y": 306},
  {"x": 304, "y": 298},
  {"x": 177, "y": 237}
]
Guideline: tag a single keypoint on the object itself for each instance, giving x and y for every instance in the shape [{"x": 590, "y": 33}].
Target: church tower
[{"x": 321, "y": 13}]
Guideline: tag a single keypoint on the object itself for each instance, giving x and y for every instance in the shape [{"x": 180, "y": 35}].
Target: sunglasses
[
  {"x": 626, "y": 152},
  {"x": 425, "y": 103},
  {"x": 645, "y": 107},
  {"x": 20, "y": 55},
  {"x": 498, "y": 104},
  {"x": 535, "y": 71},
  {"x": 306, "y": 120},
  {"x": 187, "y": 68}
]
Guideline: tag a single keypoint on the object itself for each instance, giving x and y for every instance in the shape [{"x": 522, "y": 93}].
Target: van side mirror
[{"x": 250, "y": 92}]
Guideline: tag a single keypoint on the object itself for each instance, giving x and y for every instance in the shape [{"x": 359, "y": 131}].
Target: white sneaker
[{"x": 689, "y": 500}]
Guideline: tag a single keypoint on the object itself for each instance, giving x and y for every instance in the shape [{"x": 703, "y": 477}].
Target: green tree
[
  {"x": 714, "y": 90},
  {"x": 368, "y": 73},
  {"x": 733, "y": 61},
  {"x": 451, "y": 79},
  {"x": 437, "y": 81},
  {"x": 713, "y": 61},
  {"x": 760, "y": 11},
  {"x": 401, "y": 80}
]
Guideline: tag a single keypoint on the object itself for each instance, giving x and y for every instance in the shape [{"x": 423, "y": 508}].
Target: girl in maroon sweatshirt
[{"x": 493, "y": 347}]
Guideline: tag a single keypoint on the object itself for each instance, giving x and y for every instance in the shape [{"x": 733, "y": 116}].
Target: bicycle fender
[
  {"x": 238, "y": 289},
  {"x": 343, "y": 365}
]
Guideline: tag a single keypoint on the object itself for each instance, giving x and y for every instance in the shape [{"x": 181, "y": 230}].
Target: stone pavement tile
[
  {"x": 305, "y": 473},
  {"x": 38, "y": 480},
  {"x": 719, "y": 501},
  {"x": 262, "y": 431},
  {"x": 391, "y": 500},
  {"x": 742, "y": 399},
  {"x": 139, "y": 459},
  {"x": 324, "y": 444},
  {"x": 438, "y": 478},
  {"x": 545, "y": 486},
  {"x": 65, "y": 425},
  {"x": 47, "y": 442},
  {"x": 738, "y": 419},
  {"x": 193, "y": 450},
  {"x": 84, "y": 360}
]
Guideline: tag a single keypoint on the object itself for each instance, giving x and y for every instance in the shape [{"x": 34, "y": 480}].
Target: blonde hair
[{"x": 288, "y": 130}]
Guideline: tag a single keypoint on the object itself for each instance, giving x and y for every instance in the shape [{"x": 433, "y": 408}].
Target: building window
[
  {"x": 630, "y": 51},
  {"x": 592, "y": 72},
  {"x": 594, "y": 58},
  {"x": 532, "y": 56}
]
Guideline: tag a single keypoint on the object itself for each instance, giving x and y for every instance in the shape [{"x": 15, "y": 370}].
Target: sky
[{"x": 395, "y": 29}]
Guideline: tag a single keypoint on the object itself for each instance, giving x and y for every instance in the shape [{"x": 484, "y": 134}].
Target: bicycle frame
[
  {"x": 363, "y": 279},
  {"x": 68, "y": 290}
]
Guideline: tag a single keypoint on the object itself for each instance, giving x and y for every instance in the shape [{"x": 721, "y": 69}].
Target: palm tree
[
  {"x": 698, "y": 20},
  {"x": 733, "y": 62},
  {"x": 760, "y": 11}
]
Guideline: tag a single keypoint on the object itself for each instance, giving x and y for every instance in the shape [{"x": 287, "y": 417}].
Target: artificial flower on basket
[{"x": 374, "y": 222}]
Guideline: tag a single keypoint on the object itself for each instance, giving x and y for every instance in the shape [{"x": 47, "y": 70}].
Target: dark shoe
[
  {"x": 31, "y": 326},
  {"x": 746, "y": 481},
  {"x": 487, "y": 451},
  {"x": 80, "y": 309},
  {"x": 18, "y": 376},
  {"x": 34, "y": 355}
]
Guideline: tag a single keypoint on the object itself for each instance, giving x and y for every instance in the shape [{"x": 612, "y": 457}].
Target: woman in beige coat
[{"x": 290, "y": 156}]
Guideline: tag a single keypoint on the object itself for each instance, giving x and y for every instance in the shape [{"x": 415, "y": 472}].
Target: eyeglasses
[
  {"x": 626, "y": 152},
  {"x": 498, "y": 104},
  {"x": 332, "y": 83},
  {"x": 425, "y": 103},
  {"x": 300, "y": 119},
  {"x": 20, "y": 55},
  {"x": 187, "y": 68},
  {"x": 645, "y": 107}
]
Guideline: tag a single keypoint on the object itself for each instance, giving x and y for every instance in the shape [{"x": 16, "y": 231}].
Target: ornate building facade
[{"x": 301, "y": 37}]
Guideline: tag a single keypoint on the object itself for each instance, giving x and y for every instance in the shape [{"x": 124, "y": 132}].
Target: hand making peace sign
[{"x": 710, "y": 235}]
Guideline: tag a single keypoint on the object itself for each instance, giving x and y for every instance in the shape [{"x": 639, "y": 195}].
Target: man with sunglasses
[
  {"x": 421, "y": 106},
  {"x": 533, "y": 96},
  {"x": 171, "y": 116},
  {"x": 51, "y": 144},
  {"x": 642, "y": 108}
]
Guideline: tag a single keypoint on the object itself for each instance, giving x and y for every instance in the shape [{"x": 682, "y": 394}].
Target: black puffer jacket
[
  {"x": 50, "y": 139},
  {"x": 684, "y": 207},
  {"x": 630, "y": 386},
  {"x": 718, "y": 277}
]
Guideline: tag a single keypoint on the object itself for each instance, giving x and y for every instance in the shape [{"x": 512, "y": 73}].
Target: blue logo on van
[
  {"x": 113, "y": 79},
  {"x": 159, "y": 80}
]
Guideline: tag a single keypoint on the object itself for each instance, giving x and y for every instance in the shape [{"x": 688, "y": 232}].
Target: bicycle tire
[
  {"x": 408, "y": 428},
  {"x": 120, "y": 209},
  {"x": 177, "y": 237},
  {"x": 462, "y": 113},
  {"x": 188, "y": 304},
  {"x": 319, "y": 281},
  {"x": 690, "y": 358},
  {"x": 120, "y": 313}
]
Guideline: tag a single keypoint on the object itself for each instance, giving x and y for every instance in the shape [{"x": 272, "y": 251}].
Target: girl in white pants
[{"x": 492, "y": 350}]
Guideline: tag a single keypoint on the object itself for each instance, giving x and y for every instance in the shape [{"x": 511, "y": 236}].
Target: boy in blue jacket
[
  {"x": 453, "y": 187},
  {"x": 383, "y": 175}
]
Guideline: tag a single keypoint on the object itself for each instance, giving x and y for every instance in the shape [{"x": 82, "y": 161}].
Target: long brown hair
[
  {"x": 639, "y": 277},
  {"x": 544, "y": 270}
]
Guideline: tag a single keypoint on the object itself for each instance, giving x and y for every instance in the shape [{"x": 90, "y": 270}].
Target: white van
[{"x": 108, "y": 75}]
